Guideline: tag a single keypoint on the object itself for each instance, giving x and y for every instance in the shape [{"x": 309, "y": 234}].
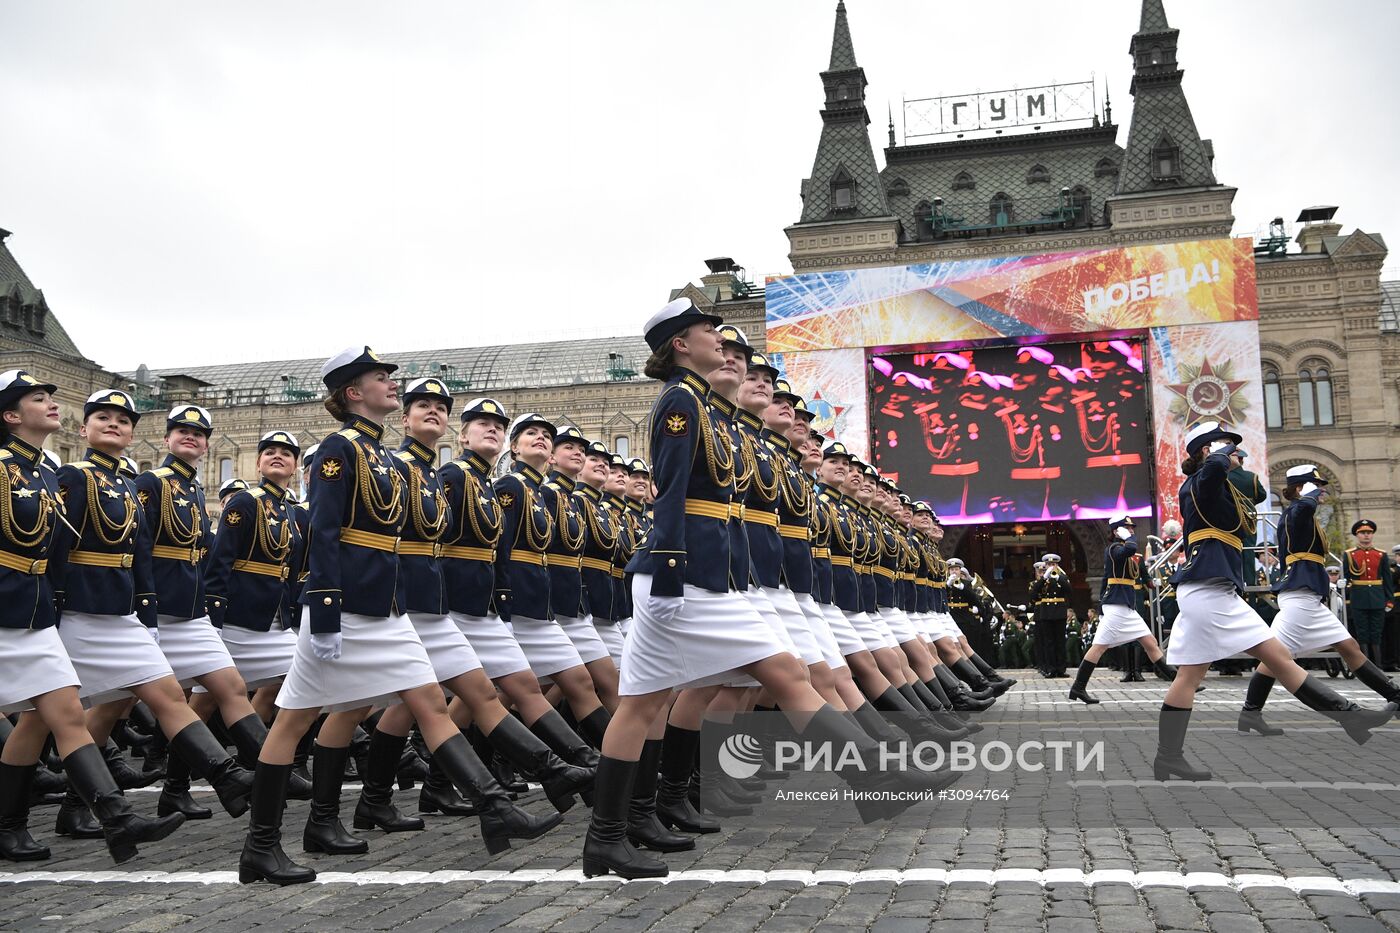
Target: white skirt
[
  {"x": 110, "y": 654},
  {"x": 584, "y": 635},
  {"x": 899, "y": 624},
  {"x": 712, "y": 636},
  {"x": 495, "y": 646},
  {"x": 546, "y": 646},
  {"x": 1214, "y": 623},
  {"x": 943, "y": 625},
  {"x": 32, "y": 663},
  {"x": 613, "y": 637},
  {"x": 847, "y": 638},
  {"x": 261, "y": 657},
  {"x": 192, "y": 647},
  {"x": 1119, "y": 625},
  {"x": 796, "y": 624},
  {"x": 1304, "y": 623},
  {"x": 873, "y": 632},
  {"x": 762, "y": 600},
  {"x": 821, "y": 631},
  {"x": 448, "y": 650},
  {"x": 379, "y": 657}
]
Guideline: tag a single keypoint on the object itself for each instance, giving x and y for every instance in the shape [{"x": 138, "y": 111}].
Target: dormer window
[
  {"x": 1166, "y": 159},
  {"x": 1038, "y": 174},
  {"x": 962, "y": 181},
  {"x": 843, "y": 190},
  {"x": 1105, "y": 166}
]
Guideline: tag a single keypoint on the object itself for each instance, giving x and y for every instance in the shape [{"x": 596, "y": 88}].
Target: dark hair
[
  {"x": 4, "y": 428},
  {"x": 1193, "y": 462},
  {"x": 336, "y": 403},
  {"x": 661, "y": 364},
  {"x": 1291, "y": 492}
]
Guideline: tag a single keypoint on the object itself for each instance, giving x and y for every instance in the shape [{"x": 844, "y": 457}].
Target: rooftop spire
[
  {"x": 1154, "y": 18},
  {"x": 843, "y": 53}
]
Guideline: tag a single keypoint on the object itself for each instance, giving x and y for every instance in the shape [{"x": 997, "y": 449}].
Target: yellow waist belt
[
  {"x": 369, "y": 539},
  {"x": 563, "y": 560},
  {"x": 267, "y": 570},
  {"x": 528, "y": 557},
  {"x": 863, "y": 568},
  {"x": 190, "y": 555},
  {"x": 838, "y": 561},
  {"x": 904, "y": 576},
  {"x": 596, "y": 563},
  {"x": 767, "y": 519},
  {"x": 885, "y": 572},
  {"x": 96, "y": 559},
  {"x": 462, "y": 552},
  {"x": 1053, "y": 599},
  {"x": 1314, "y": 558},
  {"x": 1121, "y": 581},
  {"x": 420, "y": 548},
  {"x": 799, "y": 532},
  {"x": 938, "y": 584},
  {"x": 1215, "y": 534},
  {"x": 821, "y": 553},
  {"x": 1363, "y": 583},
  {"x": 23, "y": 564},
  {"x": 618, "y": 572},
  {"x": 706, "y": 509}
]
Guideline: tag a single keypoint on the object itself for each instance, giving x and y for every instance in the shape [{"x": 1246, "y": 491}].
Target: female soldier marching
[{"x": 37, "y": 679}]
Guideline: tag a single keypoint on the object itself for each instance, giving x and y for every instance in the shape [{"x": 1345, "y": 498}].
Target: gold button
[
  {"x": 217, "y": 604},
  {"x": 671, "y": 562},
  {"x": 327, "y": 600},
  {"x": 145, "y": 602}
]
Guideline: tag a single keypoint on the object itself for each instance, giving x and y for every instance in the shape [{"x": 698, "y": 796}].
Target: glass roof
[
  {"x": 1390, "y": 307},
  {"x": 474, "y": 370}
]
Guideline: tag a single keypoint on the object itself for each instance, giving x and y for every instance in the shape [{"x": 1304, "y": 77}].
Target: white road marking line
[
  {"x": 1054, "y": 876},
  {"x": 1238, "y": 785}
]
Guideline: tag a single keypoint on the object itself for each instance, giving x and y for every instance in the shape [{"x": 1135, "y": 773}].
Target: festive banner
[
  {"x": 1195, "y": 303},
  {"x": 1204, "y": 373},
  {"x": 1014, "y": 296}
]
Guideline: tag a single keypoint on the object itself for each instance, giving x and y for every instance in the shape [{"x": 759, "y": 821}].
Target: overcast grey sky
[{"x": 198, "y": 182}]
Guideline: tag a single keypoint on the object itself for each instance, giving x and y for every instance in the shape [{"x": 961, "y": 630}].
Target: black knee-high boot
[
  {"x": 439, "y": 796},
  {"x": 210, "y": 760},
  {"x": 262, "y": 858},
  {"x": 961, "y": 697},
  {"x": 643, "y": 826},
  {"x": 127, "y": 777},
  {"x": 565, "y": 741},
  {"x": 500, "y": 768},
  {"x": 913, "y": 699},
  {"x": 1171, "y": 762},
  {"x": 921, "y": 725},
  {"x": 606, "y": 847},
  {"x": 248, "y": 735},
  {"x": 673, "y": 806},
  {"x": 991, "y": 673},
  {"x": 1373, "y": 677},
  {"x": 1080, "y": 689},
  {"x": 967, "y": 672},
  {"x": 324, "y": 832},
  {"x": 175, "y": 795},
  {"x": 593, "y": 726},
  {"x": 950, "y": 717},
  {"x": 501, "y": 819},
  {"x": 1252, "y": 715},
  {"x": 1357, "y": 721},
  {"x": 376, "y": 805},
  {"x": 16, "y": 844},
  {"x": 533, "y": 758},
  {"x": 123, "y": 829}
]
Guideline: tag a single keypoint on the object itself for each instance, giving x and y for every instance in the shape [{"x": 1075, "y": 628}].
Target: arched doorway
[{"x": 1004, "y": 555}]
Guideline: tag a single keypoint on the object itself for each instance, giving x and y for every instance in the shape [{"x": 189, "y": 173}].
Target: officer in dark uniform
[
  {"x": 36, "y": 677},
  {"x": 1051, "y": 613},
  {"x": 602, "y": 526},
  {"x": 1369, "y": 588},
  {"x": 173, "y": 499}
]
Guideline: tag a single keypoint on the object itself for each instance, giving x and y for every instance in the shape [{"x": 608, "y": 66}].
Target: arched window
[
  {"x": 1105, "y": 166},
  {"x": 1323, "y": 383},
  {"x": 622, "y": 446},
  {"x": 962, "y": 181},
  {"x": 1038, "y": 174},
  {"x": 444, "y": 453},
  {"x": 923, "y": 220},
  {"x": 1307, "y": 402},
  {"x": 1273, "y": 400},
  {"x": 225, "y": 469},
  {"x": 1001, "y": 210}
]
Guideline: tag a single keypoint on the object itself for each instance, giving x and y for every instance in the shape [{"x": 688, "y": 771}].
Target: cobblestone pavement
[{"x": 916, "y": 873}]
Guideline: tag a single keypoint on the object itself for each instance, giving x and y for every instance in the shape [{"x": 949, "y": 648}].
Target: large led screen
[{"x": 1016, "y": 433}]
